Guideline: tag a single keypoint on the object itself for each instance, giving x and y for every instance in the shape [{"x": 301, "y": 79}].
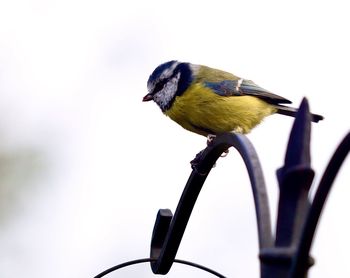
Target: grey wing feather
[
  {"x": 248, "y": 87},
  {"x": 242, "y": 87}
]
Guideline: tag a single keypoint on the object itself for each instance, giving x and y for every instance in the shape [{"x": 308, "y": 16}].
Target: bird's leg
[
  {"x": 238, "y": 129},
  {"x": 210, "y": 138}
]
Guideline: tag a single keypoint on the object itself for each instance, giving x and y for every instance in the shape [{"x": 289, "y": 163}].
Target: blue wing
[{"x": 243, "y": 87}]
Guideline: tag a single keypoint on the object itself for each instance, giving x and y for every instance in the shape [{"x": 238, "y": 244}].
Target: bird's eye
[{"x": 160, "y": 85}]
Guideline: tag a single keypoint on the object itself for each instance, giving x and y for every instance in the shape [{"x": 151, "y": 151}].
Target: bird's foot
[
  {"x": 239, "y": 129},
  {"x": 210, "y": 139}
]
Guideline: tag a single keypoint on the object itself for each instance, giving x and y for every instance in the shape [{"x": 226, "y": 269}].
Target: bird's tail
[{"x": 290, "y": 111}]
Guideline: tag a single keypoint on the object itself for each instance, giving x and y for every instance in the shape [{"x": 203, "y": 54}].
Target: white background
[{"x": 85, "y": 165}]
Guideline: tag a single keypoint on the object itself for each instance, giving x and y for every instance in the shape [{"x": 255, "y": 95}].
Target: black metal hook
[{"x": 169, "y": 229}]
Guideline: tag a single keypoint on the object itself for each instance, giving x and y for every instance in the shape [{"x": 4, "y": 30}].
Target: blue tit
[{"x": 209, "y": 101}]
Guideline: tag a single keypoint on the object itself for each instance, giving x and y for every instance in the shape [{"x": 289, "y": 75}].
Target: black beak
[{"x": 147, "y": 97}]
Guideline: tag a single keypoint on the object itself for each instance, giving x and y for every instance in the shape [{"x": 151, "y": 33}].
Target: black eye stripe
[{"x": 160, "y": 84}]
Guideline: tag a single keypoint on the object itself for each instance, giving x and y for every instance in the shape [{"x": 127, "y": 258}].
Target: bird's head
[{"x": 168, "y": 81}]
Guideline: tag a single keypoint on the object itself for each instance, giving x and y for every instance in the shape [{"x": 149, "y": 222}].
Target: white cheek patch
[{"x": 165, "y": 96}]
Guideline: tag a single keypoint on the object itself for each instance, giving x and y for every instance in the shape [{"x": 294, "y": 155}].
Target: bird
[{"x": 209, "y": 101}]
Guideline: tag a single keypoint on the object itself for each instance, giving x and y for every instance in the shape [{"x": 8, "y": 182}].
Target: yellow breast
[{"x": 204, "y": 112}]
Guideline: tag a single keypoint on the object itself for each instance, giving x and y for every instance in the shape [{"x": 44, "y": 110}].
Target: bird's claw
[
  {"x": 210, "y": 139},
  {"x": 199, "y": 156},
  {"x": 225, "y": 153}
]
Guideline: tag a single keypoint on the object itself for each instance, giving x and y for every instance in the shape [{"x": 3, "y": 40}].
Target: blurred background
[{"x": 85, "y": 165}]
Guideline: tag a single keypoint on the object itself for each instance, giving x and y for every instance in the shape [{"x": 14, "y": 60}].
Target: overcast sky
[{"x": 85, "y": 165}]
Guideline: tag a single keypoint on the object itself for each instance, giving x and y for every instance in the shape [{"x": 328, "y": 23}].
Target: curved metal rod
[
  {"x": 299, "y": 267},
  {"x": 168, "y": 230},
  {"x": 146, "y": 260}
]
